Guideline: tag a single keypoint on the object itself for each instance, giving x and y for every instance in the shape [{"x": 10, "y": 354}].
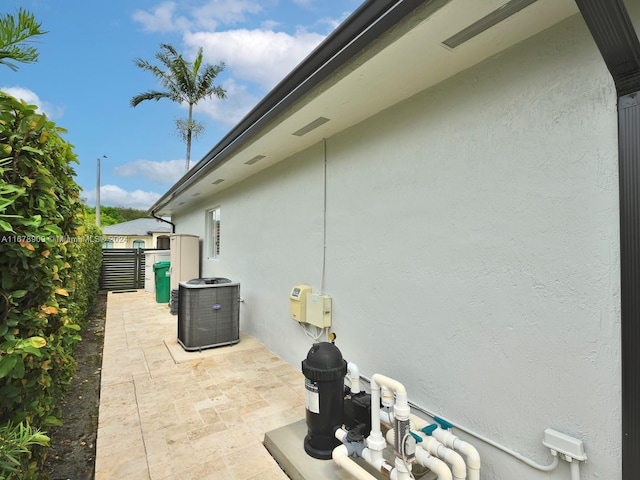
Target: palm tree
[
  {"x": 185, "y": 83},
  {"x": 15, "y": 33}
]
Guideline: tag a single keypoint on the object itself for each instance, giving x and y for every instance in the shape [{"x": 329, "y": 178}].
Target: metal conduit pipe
[{"x": 532, "y": 463}]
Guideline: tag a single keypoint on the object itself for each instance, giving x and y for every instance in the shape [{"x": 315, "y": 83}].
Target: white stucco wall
[{"x": 472, "y": 250}]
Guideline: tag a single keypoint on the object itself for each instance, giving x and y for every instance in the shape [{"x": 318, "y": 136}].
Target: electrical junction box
[
  {"x": 564, "y": 444},
  {"x": 319, "y": 310},
  {"x": 298, "y": 303}
]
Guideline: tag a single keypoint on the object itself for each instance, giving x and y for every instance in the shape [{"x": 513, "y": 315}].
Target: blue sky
[{"x": 85, "y": 77}]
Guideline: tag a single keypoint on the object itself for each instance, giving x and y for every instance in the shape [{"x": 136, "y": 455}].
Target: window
[
  {"x": 163, "y": 242},
  {"x": 213, "y": 233},
  {"x": 107, "y": 244},
  {"x": 138, "y": 244}
]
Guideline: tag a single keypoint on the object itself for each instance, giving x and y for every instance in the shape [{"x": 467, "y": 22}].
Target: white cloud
[
  {"x": 161, "y": 172},
  {"x": 260, "y": 56},
  {"x": 114, "y": 196},
  {"x": 232, "y": 109},
  {"x": 164, "y": 17},
  {"x": 161, "y": 18},
  {"x": 31, "y": 98},
  {"x": 224, "y": 11}
]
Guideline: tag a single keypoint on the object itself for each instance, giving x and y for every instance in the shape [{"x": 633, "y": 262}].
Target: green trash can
[{"x": 163, "y": 281}]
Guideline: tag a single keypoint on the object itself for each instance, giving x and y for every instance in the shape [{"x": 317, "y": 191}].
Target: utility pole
[{"x": 98, "y": 193}]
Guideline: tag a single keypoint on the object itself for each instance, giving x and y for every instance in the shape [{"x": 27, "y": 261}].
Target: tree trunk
[{"x": 189, "y": 128}]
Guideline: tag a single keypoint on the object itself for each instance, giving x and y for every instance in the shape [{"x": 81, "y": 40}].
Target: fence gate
[{"x": 122, "y": 268}]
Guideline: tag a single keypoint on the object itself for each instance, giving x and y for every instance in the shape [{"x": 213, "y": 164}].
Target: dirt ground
[{"x": 73, "y": 445}]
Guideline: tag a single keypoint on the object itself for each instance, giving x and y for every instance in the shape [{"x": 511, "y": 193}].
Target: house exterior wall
[
  {"x": 472, "y": 250},
  {"x": 154, "y": 240},
  {"x": 126, "y": 241}
]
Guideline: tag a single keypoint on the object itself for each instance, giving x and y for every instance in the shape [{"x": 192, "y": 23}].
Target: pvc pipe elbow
[
  {"x": 340, "y": 456},
  {"x": 458, "y": 467},
  {"x": 469, "y": 451},
  {"x": 434, "y": 464},
  {"x": 390, "y": 383},
  {"x": 353, "y": 373},
  {"x": 401, "y": 407}
]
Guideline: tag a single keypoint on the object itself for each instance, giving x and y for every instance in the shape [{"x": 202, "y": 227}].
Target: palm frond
[{"x": 15, "y": 34}]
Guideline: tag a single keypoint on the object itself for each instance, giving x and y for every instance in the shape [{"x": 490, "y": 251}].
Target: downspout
[
  {"x": 616, "y": 39},
  {"x": 173, "y": 227}
]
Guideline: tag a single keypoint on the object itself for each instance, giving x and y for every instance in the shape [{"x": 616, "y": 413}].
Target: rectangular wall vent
[
  {"x": 311, "y": 126},
  {"x": 253, "y": 160},
  {"x": 486, "y": 22},
  {"x": 218, "y": 181}
]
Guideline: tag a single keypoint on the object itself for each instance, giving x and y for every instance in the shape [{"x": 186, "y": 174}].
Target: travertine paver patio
[{"x": 168, "y": 414}]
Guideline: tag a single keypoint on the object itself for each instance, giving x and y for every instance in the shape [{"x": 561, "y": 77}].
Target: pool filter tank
[{"x": 324, "y": 371}]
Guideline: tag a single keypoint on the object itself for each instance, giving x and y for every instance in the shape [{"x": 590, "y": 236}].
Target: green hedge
[{"x": 49, "y": 265}]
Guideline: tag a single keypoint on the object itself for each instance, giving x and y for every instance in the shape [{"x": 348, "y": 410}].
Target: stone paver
[{"x": 166, "y": 413}]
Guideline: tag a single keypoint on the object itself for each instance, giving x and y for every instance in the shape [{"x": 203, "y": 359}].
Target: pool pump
[{"x": 324, "y": 370}]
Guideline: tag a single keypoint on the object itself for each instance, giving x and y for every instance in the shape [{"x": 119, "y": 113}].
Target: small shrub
[{"x": 15, "y": 450}]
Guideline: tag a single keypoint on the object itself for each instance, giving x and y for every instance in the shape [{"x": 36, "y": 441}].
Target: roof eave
[{"x": 367, "y": 23}]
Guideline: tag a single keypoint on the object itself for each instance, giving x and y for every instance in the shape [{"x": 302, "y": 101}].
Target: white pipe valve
[
  {"x": 428, "y": 430},
  {"x": 443, "y": 423}
]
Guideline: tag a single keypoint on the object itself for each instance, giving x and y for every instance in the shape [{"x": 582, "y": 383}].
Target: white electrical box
[
  {"x": 564, "y": 444},
  {"x": 319, "y": 310},
  {"x": 298, "y": 303}
]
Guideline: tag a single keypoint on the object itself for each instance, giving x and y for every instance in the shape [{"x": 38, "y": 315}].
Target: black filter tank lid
[{"x": 324, "y": 362}]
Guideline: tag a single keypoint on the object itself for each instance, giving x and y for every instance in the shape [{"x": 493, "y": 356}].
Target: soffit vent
[
  {"x": 253, "y": 160},
  {"x": 486, "y": 22},
  {"x": 218, "y": 181},
  {"x": 311, "y": 126}
]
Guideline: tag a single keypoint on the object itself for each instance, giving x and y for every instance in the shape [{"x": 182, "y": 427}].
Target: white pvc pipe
[
  {"x": 353, "y": 373},
  {"x": 375, "y": 440},
  {"x": 434, "y": 447},
  {"x": 401, "y": 409},
  {"x": 401, "y": 406},
  {"x": 341, "y": 457},
  {"x": 470, "y": 453},
  {"x": 575, "y": 469},
  {"x": 453, "y": 458},
  {"x": 434, "y": 464},
  {"x": 372, "y": 457}
]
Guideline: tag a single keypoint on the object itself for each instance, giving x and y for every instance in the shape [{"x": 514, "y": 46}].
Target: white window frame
[{"x": 213, "y": 233}]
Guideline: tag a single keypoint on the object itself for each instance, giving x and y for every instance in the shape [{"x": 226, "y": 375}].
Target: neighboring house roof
[
  {"x": 139, "y": 227},
  {"x": 385, "y": 52}
]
